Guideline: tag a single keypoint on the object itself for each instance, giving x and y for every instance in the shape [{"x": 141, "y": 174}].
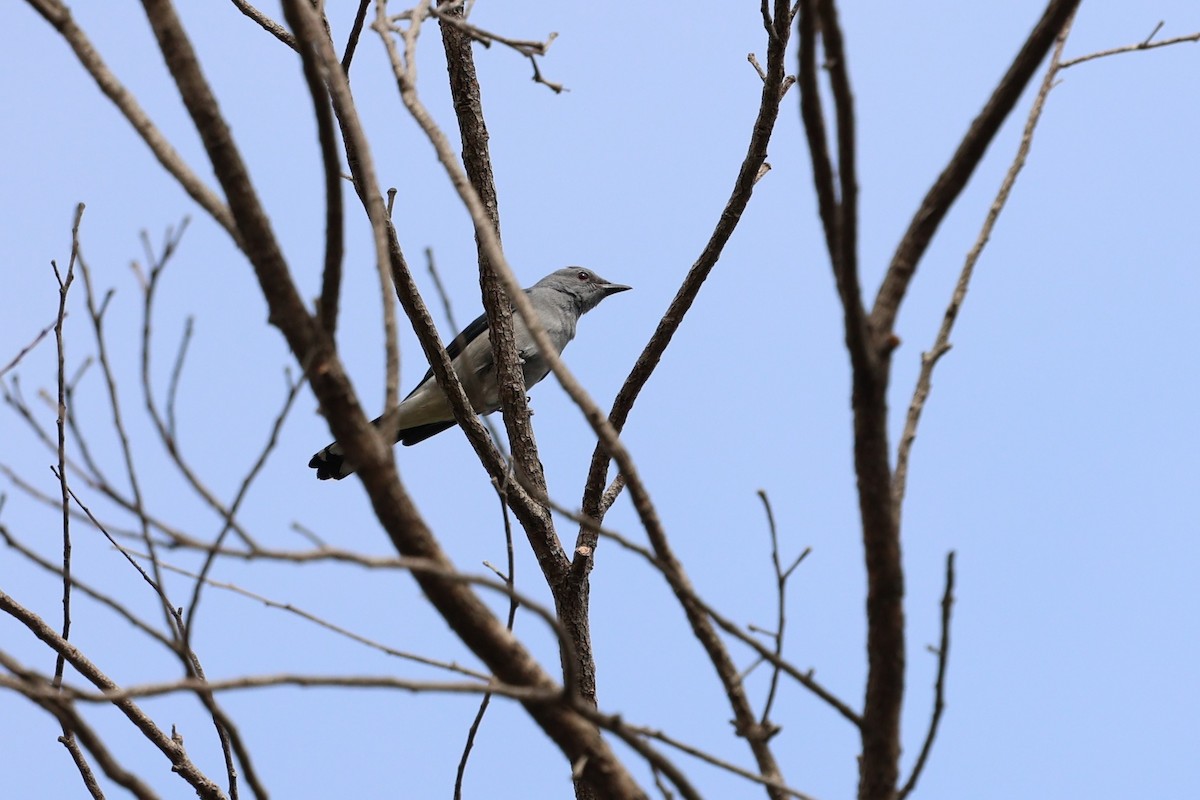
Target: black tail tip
[{"x": 327, "y": 467}]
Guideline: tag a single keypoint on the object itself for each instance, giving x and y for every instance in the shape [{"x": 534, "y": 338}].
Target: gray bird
[{"x": 559, "y": 299}]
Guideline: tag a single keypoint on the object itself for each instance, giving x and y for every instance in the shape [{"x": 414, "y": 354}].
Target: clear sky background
[{"x": 1057, "y": 457}]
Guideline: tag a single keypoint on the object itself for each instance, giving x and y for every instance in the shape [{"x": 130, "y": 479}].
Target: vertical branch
[
  {"x": 67, "y": 739},
  {"x": 845, "y": 246},
  {"x": 781, "y": 579},
  {"x": 870, "y": 343},
  {"x": 358, "y": 158},
  {"x": 533, "y": 516},
  {"x": 869, "y": 361},
  {"x": 331, "y": 276},
  {"x": 939, "y": 686},
  {"x": 64, "y": 285},
  {"x": 477, "y": 163}
]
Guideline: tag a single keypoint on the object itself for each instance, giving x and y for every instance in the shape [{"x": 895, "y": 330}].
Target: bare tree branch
[
  {"x": 360, "y": 17},
  {"x": 64, "y": 286},
  {"x": 781, "y": 579},
  {"x": 266, "y": 23},
  {"x": 59, "y": 16},
  {"x": 29, "y": 347},
  {"x": 1146, "y": 44},
  {"x": 941, "y": 344},
  {"x": 35, "y": 687},
  {"x": 950, "y": 183},
  {"x": 939, "y": 687},
  {"x": 174, "y": 752},
  {"x": 510, "y": 379}
]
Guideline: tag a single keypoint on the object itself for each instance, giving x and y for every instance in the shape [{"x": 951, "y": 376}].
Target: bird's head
[{"x": 584, "y": 286}]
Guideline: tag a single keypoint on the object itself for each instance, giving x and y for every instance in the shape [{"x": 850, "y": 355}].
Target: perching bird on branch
[{"x": 559, "y": 299}]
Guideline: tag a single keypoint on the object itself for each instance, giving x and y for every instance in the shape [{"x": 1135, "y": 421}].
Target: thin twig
[
  {"x": 173, "y": 750},
  {"x": 451, "y": 14},
  {"x": 29, "y": 347},
  {"x": 64, "y": 285},
  {"x": 331, "y": 274},
  {"x": 971, "y": 149},
  {"x": 1131, "y": 48},
  {"x": 185, "y": 341},
  {"x": 805, "y": 679},
  {"x": 266, "y": 23},
  {"x": 781, "y": 579},
  {"x": 245, "y": 682},
  {"x": 941, "y": 344},
  {"x": 939, "y": 687},
  {"x": 509, "y": 578},
  {"x": 449, "y": 666}
]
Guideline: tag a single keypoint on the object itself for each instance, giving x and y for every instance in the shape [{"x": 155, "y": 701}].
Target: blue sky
[{"x": 1057, "y": 455}]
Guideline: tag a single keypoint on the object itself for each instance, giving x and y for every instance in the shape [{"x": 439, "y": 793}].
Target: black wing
[
  {"x": 410, "y": 436},
  {"x": 477, "y": 327}
]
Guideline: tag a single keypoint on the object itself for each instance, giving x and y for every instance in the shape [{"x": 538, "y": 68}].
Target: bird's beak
[{"x": 613, "y": 288}]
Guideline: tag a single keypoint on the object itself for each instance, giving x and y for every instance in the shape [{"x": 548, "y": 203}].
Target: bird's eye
[{"x": 583, "y": 275}]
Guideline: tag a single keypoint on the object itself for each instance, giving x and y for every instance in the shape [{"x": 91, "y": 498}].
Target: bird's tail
[{"x": 330, "y": 462}]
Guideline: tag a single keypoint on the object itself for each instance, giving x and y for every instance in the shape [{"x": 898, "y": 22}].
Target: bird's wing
[
  {"x": 477, "y": 327},
  {"x": 469, "y": 334}
]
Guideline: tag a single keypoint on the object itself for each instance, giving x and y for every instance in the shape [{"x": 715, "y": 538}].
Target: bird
[{"x": 559, "y": 300}]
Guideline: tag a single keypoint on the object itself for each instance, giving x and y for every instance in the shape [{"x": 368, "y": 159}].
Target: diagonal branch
[
  {"x": 59, "y": 16},
  {"x": 775, "y": 83},
  {"x": 35, "y": 688},
  {"x": 953, "y": 179},
  {"x": 941, "y": 344},
  {"x": 173, "y": 750}
]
